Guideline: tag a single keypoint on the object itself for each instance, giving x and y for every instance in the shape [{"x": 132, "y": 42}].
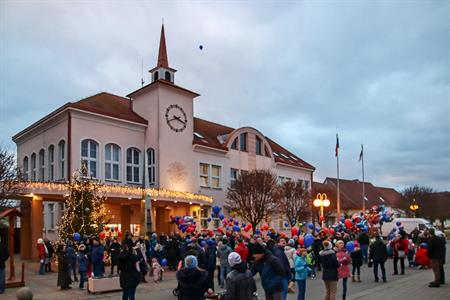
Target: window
[
  {"x": 259, "y": 146},
  {"x": 112, "y": 162},
  {"x": 210, "y": 176},
  {"x": 243, "y": 140},
  {"x": 133, "y": 159},
  {"x": 25, "y": 168},
  {"x": 167, "y": 75},
  {"x": 204, "y": 175},
  {"x": 234, "y": 144},
  {"x": 282, "y": 179},
  {"x": 306, "y": 185},
  {"x": 155, "y": 76},
  {"x": 151, "y": 167},
  {"x": 33, "y": 167},
  {"x": 42, "y": 165},
  {"x": 51, "y": 215},
  {"x": 233, "y": 175},
  {"x": 51, "y": 163},
  {"x": 62, "y": 159},
  {"x": 266, "y": 151},
  {"x": 89, "y": 154}
]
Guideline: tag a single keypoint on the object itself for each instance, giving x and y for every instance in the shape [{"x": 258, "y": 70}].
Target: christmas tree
[{"x": 85, "y": 212}]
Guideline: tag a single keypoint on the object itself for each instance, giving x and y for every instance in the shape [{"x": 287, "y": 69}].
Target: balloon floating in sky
[{"x": 200, "y": 47}]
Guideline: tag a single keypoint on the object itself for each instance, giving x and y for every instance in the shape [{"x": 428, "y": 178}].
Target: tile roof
[
  {"x": 210, "y": 132},
  {"x": 110, "y": 105}
]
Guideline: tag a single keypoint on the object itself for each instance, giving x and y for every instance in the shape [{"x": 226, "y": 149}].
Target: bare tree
[
  {"x": 294, "y": 201},
  {"x": 254, "y": 195},
  {"x": 10, "y": 179}
]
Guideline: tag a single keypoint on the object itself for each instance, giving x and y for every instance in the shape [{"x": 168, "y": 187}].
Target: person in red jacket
[
  {"x": 400, "y": 246},
  {"x": 242, "y": 250},
  {"x": 41, "y": 254},
  {"x": 422, "y": 259}
]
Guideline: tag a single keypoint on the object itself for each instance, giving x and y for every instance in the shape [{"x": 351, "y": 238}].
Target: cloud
[{"x": 377, "y": 73}]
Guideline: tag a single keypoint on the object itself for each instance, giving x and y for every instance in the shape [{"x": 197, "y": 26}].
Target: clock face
[{"x": 176, "y": 118}]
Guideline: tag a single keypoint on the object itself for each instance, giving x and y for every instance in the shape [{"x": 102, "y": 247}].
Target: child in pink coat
[{"x": 344, "y": 260}]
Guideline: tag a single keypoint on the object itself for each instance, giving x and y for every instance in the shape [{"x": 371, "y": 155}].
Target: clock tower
[{"x": 169, "y": 110}]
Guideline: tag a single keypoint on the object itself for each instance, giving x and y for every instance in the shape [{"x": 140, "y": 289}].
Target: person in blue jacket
[
  {"x": 97, "y": 258},
  {"x": 82, "y": 261},
  {"x": 270, "y": 270},
  {"x": 72, "y": 257},
  {"x": 301, "y": 272}
]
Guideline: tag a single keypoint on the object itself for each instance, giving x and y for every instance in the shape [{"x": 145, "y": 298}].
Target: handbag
[{"x": 401, "y": 253}]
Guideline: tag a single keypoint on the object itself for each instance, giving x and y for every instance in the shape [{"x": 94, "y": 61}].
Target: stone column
[
  {"x": 37, "y": 224},
  {"x": 25, "y": 229},
  {"x": 125, "y": 217}
]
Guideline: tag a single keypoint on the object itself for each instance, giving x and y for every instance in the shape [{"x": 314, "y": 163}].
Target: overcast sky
[{"x": 376, "y": 72}]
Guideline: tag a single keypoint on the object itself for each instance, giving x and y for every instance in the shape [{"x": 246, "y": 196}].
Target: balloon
[
  {"x": 106, "y": 228},
  {"x": 265, "y": 227},
  {"x": 220, "y": 230},
  {"x": 221, "y": 216},
  {"x": 301, "y": 241},
  {"x": 203, "y": 244},
  {"x": 286, "y": 224},
  {"x": 294, "y": 231},
  {"x": 311, "y": 226},
  {"x": 236, "y": 228},
  {"x": 331, "y": 231},
  {"x": 101, "y": 235},
  {"x": 321, "y": 218},
  {"x": 348, "y": 223},
  {"x": 119, "y": 234},
  {"x": 398, "y": 223},
  {"x": 350, "y": 246},
  {"x": 77, "y": 236},
  {"x": 216, "y": 209},
  {"x": 164, "y": 262},
  {"x": 257, "y": 231},
  {"x": 309, "y": 240},
  {"x": 325, "y": 230},
  {"x": 209, "y": 219},
  {"x": 231, "y": 219},
  {"x": 200, "y": 47}
]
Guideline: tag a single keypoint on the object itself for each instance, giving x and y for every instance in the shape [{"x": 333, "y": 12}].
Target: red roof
[
  {"x": 210, "y": 132},
  {"x": 166, "y": 83},
  {"x": 110, "y": 105}
]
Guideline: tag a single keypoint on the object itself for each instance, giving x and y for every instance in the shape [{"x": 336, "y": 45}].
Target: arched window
[
  {"x": 112, "y": 162},
  {"x": 155, "y": 76},
  {"x": 89, "y": 154},
  {"x": 62, "y": 160},
  {"x": 33, "y": 167},
  {"x": 259, "y": 146},
  {"x": 167, "y": 75},
  {"x": 26, "y": 169},
  {"x": 42, "y": 165},
  {"x": 51, "y": 163},
  {"x": 133, "y": 165},
  {"x": 151, "y": 166}
]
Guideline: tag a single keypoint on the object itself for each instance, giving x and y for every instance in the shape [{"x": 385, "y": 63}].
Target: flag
[
  {"x": 361, "y": 154},
  {"x": 337, "y": 145}
]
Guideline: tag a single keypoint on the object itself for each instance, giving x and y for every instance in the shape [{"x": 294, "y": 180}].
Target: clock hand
[{"x": 178, "y": 118}]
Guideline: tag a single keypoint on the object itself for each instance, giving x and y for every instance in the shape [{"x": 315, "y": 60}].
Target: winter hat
[
  {"x": 258, "y": 249},
  {"x": 327, "y": 245},
  {"x": 40, "y": 241},
  {"x": 291, "y": 243},
  {"x": 234, "y": 259},
  {"x": 82, "y": 247},
  {"x": 191, "y": 262}
]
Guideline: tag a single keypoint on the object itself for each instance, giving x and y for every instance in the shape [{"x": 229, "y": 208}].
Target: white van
[{"x": 408, "y": 225}]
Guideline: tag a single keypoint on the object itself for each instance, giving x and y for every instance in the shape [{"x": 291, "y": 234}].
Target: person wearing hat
[
  {"x": 330, "y": 267},
  {"x": 192, "y": 281},
  {"x": 436, "y": 253},
  {"x": 82, "y": 262},
  {"x": 301, "y": 272},
  {"x": 290, "y": 252},
  {"x": 240, "y": 284},
  {"x": 270, "y": 270},
  {"x": 222, "y": 254}
]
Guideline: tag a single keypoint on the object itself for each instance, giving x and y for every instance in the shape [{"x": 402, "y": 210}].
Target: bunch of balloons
[{"x": 185, "y": 224}]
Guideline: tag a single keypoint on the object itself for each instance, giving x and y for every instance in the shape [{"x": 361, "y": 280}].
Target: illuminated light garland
[{"x": 126, "y": 191}]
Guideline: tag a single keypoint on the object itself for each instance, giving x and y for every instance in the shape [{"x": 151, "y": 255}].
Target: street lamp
[
  {"x": 321, "y": 201},
  {"x": 414, "y": 206}
]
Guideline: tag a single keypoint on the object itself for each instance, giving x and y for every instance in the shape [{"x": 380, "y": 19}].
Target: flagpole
[
  {"x": 338, "y": 204},
  {"x": 363, "y": 185}
]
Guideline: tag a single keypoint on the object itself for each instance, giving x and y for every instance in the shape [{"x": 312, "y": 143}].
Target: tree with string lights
[{"x": 85, "y": 210}]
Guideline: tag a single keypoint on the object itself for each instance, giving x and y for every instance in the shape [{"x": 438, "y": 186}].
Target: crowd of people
[{"x": 283, "y": 263}]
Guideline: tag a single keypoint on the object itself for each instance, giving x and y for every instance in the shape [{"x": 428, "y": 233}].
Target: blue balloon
[
  {"x": 286, "y": 224},
  {"x": 213, "y": 215},
  {"x": 77, "y": 236},
  {"x": 257, "y": 231},
  {"x": 209, "y": 219},
  {"x": 398, "y": 223},
  {"x": 350, "y": 246},
  {"x": 231, "y": 219},
  {"x": 164, "y": 262},
  {"x": 221, "y": 216},
  {"x": 236, "y": 228},
  {"x": 203, "y": 244},
  {"x": 311, "y": 226},
  {"x": 308, "y": 239},
  {"x": 342, "y": 219},
  {"x": 216, "y": 209}
]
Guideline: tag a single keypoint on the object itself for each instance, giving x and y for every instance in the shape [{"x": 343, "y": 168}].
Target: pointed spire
[{"x": 162, "y": 56}]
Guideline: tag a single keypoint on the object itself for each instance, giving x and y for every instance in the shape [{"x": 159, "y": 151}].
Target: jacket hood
[
  {"x": 189, "y": 276},
  {"x": 326, "y": 252},
  {"x": 241, "y": 268}
]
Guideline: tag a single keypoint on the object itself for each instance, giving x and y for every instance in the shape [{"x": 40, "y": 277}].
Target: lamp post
[
  {"x": 414, "y": 206},
  {"x": 321, "y": 201}
]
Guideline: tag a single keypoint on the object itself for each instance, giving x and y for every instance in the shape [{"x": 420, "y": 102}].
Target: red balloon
[
  {"x": 321, "y": 218},
  {"x": 331, "y": 231},
  {"x": 301, "y": 241},
  {"x": 219, "y": 230},
  {"x": 294, "y": 231},
  {"x": 265, "y": 227},
  {"x": 119, "y": 234},
  {"x": 101, "y": 235},
  {"x": 325, "y": 230},
  {"x": 348, "y": 223}
]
